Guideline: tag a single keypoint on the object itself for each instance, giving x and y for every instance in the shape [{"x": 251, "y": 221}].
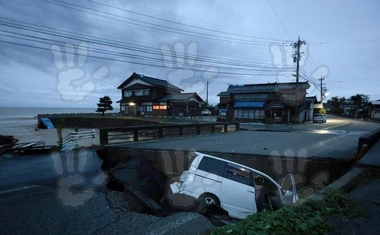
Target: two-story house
[
  {"x": 374, "y": 110},
  {"x": 271, "y": 102},
  {"x": 148, "y": 96}
]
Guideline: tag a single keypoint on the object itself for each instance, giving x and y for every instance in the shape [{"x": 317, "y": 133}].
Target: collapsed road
[
  {"x": 144, "y": 181},
  {"x": 144, "y": 178}
]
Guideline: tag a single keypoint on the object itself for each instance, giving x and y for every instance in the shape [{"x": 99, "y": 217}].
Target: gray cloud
[{"x": 342, "y": 35}]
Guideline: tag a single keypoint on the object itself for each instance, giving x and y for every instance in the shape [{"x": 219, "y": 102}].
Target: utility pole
[
  {"x": 296, "y": 59},
  {"x": 297, "y": 46},
  {"x": 322, "y": 89},
  {"x": 207, "y": 92}
]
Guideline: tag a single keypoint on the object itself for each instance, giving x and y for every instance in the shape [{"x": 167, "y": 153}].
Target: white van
[{"x": 238, "y": 189}]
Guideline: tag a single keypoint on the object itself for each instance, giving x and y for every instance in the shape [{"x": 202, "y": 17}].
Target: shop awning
[{"x": 249, "y": 104}]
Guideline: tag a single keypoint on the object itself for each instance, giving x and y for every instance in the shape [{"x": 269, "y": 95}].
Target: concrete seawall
[{"x": 92, "y": 120}]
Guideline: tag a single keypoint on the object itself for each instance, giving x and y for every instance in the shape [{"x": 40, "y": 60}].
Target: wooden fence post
[
  {"x": 135, "y": 135},
  {"x": 160, "y": 132},
  {"x": 212, "y": 128},
  {"x": 198, "y": 129},
  {"x": 103, "y": 136}
]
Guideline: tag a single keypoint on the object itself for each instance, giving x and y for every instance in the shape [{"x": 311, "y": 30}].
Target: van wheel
[{"x": 210, "y": 199}]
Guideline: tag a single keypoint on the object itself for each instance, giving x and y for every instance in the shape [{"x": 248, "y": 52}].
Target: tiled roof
[
  {"x": 265, "y": 87},
  {"x": 224, "y": 93},
  {"x": 181, "y": 96},
  {"x": 153, "y": 81}
]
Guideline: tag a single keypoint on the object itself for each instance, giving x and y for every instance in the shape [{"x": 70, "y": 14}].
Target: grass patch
[{"x": 309, "y": 216}]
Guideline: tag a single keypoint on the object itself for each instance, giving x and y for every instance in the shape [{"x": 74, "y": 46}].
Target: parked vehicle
[
  {"x": 238, "y": 189},
  {"x": 318, "y": 117},
  {"x": 206, "y": 112}
]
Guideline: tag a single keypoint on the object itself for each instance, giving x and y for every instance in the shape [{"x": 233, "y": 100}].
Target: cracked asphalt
[{"x": 38, "y": 210}]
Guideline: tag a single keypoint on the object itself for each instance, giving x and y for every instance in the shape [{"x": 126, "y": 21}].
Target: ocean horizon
[
  {"x": 25, "y": 112},
  {"x": 21, "y": 122}
]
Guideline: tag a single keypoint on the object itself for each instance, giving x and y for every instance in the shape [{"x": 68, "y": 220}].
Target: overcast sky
[{"x": 70, "y": 53}]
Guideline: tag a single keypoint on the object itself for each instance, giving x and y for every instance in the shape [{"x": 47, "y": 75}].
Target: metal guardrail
[
  {"x": 119, "y": 135},
  {"x": 71, "y": 140}
]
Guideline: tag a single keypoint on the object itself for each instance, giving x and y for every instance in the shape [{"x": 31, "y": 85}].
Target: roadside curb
[{"x": 345, "y": 182}]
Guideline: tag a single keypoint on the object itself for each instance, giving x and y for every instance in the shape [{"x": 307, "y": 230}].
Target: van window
[
  {"x": 212, "y": 165},
  {"x": 238, "y": 174}
]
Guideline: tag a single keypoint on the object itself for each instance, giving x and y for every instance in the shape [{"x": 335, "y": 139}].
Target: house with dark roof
[
  {"x": 147, "y": 96},
  {"x": 374, "y": 109},
  {"x": 224, "y": 96},
  {"x": 270, "y": 102}
]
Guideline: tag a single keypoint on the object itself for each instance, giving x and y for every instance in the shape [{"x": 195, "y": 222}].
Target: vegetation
[
  {"x": 307, "y": 217},
  {"x": 60, "y": 124},
  {"x": 321, "y": 110},
  {"x": 359, "y": 101},
  {"x": 105, "y": 103}
]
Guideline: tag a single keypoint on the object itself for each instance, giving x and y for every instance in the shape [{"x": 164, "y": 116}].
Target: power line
[
  {"x": 180, "y": 23},
  {"x": 154, "y": 26},
  {"x": 279, "y": 19},
  {"x": 39, "y": 39},
  {"x": 124, "y": 61},
  {"x": 107, "y": 42},
  {"x": 346, "y": 42},
  {"x": 357, "y": 79}
]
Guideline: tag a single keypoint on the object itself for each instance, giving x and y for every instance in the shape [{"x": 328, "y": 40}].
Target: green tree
[
  {"x": 360, "y": 100},
  {"x": 105, "y": 103},
  {"x": 60, "y": 124},
  {"x": 334, "y": 102},
  {"x": 343, "y": 100}
]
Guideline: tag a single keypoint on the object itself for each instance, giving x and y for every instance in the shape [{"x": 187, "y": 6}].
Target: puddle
[{"x": 339, "y": 132}]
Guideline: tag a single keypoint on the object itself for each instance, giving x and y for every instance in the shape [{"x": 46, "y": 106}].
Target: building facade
[
  {"x": 374, "y": 110},
  {"x": 270, "y": 102},
  {"x": 147, "y": 96}
]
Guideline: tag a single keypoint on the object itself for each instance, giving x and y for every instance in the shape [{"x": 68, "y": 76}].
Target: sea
[{"x": 22, "y": 122}]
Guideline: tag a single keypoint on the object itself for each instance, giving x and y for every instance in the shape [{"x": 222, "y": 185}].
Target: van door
[
  {"x": 237, "y": 192},
  {"x": 289, "y": 194}
]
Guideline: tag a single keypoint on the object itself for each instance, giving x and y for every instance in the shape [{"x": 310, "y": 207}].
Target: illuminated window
[{"x": 159, "y": 107}]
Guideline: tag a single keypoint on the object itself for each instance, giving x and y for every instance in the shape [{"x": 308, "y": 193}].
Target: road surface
[{"x": 337, "y": 139}]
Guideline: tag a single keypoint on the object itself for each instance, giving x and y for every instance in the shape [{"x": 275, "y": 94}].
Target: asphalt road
[
  {"x": 338, "y": 139},
  {"x": 33, "y": 189},
  {"x": 40, "y": 169}
]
